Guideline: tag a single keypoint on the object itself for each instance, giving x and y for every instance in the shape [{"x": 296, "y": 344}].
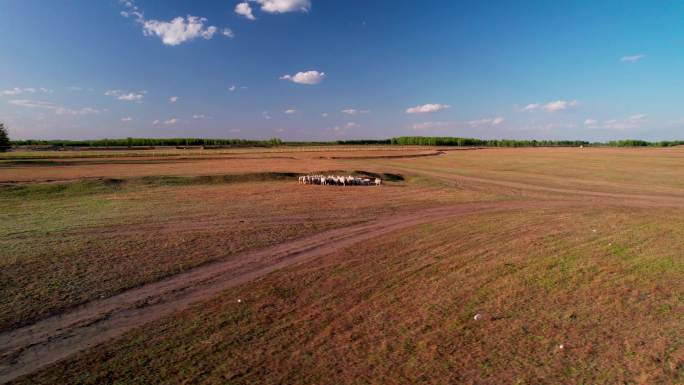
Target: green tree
[{"x": 4, "y": 138}]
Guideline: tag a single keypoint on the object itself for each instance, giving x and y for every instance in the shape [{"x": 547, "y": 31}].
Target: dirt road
[{"x": 27, "y": 349}]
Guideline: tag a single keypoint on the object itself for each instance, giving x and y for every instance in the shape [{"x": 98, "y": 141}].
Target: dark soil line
[
  {"x": 383, "y": 156},
  {"x": 30, "y": 163},
  {"x": 27, "y": 349}
]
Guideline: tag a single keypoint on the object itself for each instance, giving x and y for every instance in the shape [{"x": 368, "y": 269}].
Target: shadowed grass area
[
  {"x": 110, "y": 185},
  {"x": 400, "y": 310}
]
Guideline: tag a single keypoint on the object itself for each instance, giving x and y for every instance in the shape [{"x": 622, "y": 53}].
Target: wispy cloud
[
  {"x": 353, "y": 111},
  {"x": 486, "y": 122},
  {"x": 632, "y": 58},
  {"x": 290, "y": 111},
  {"x": 307, "y": 77},
  {"x": 423, "y": 126},
  {"x": 631, "y": 122},
  {"x": 174, "y": 99},
  {"x": 28, "y": 90},
  {"x": 483, "y": 122},
  {"x": 227, "y": 32},
  {"x": 126, "y": 96},
  {"x": 59, "y": 110},
  {"x": 126, "y": 119},
  {"x": 346, "y": 126},
  {"x": 171, "y": 121},
  {"x": 427, "y": 108},
  {"x": 558, "y": 105}
]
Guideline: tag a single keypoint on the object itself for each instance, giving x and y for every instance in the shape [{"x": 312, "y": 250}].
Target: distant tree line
[
  {"x": 643, "y": 143},
  {"x": 466, "y": 142},
  {"x": 147, "y": 142},
  {"x": 398, "y": 141}
]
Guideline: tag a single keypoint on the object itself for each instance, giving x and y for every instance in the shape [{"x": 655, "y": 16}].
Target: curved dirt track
[
  {"x": 27, "y": 349},
  {"x": 626, "y": 198}
]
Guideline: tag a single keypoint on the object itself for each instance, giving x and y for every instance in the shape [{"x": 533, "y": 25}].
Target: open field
[{"x": 140, "y": 259}]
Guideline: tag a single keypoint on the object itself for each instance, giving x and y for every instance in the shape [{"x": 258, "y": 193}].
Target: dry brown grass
[
  {"x": 400, "y": 310},
  {"x": 616, "y": 170},
  {"x": 393, "y": 310},
  {"x": 63, "y": 249}
]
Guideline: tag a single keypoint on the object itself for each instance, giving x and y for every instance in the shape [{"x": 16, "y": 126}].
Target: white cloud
[
  {"x": 174, "y": 99},
  {"x": 179, "y": 30},
  {"x": 130, "y": 97},
  {"x": 266, "y": 115},
  {"x": 171, "y": 121},
  {"x": 325, "y": 114},
  {"x": 427, "y": 108},
  {"x": 155, "y": 122},
  {"x": 352, "y": 111},
  {"x": 227, "y": 32},
  {"x": 291, "y": 111},
  {"x": 308, "y": 77},
  {"x": 59, "y": 110},
  {"x": 486, "y": 122},
  {"x": 232, "y": 88},
  {"x": 283, "y": 6},
  {"x": 174, "y": 32},
  {"x": 126, "y": 119},
  {"x": 632, "y": 59},
  {"x": 200, "y": 116},
  {"x": 558, "y": 105},
  {"x": 245, "y": 10}
]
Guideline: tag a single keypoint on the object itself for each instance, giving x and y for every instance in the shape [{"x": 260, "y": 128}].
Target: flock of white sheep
[{"x": 334, "y": 180}]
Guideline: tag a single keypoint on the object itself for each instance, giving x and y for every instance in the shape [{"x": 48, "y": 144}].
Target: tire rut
[{"x": 27, "y": 349}]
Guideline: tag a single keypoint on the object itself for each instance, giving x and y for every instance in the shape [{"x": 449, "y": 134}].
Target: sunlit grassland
[
  {"x": 652, "y": 170},
  {"x": 400, "y": 309}
]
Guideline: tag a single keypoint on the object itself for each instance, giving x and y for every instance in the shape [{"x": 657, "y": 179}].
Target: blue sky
[{"x": 324, "y": 69}]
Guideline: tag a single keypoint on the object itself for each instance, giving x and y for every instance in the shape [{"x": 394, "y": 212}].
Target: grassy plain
[{"x": 603, "y": 278}]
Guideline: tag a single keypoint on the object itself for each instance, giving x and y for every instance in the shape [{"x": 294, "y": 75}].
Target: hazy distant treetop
[{"x": 4, "y": 138}]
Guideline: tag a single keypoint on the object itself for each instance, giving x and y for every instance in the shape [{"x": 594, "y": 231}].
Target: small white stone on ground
[
  {"x": 239, "y": 300},
  {"x": 477, "y": 317},
  {"x": 561, "y": 346}
]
